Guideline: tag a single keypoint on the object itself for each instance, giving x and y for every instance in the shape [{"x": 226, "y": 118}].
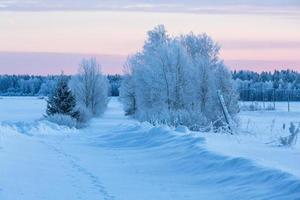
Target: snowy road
[{"x": 119, "y": 158}]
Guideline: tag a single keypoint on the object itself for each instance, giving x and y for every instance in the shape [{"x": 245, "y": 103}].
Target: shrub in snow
[
  {"x": 84, "y": 114},
  {"x": 62, "y": 100},
  {"x": 174, "y": 80},
  {"x": 255, "y": 106},
  {"x": 90, "y": 87},
  {"x": 195, "y": 120},
  {"x": 270, "y": 107},
  {"x": 63, "y": 120},
  {"x": 292, "y": 138}
]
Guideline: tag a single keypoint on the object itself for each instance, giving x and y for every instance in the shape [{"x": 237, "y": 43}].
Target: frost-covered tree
[
  {"x": 268, "y": 86},
  {"x": 127, "y": 90},
  {"x": 175, "y": 80},
  {"x": 47, "y": 87},
  {"x": 62, "y": 100},
  {"x": 225, "y": 84},
  {"x": 115, "y": 83},
  {"x": 90, "y": 87}
]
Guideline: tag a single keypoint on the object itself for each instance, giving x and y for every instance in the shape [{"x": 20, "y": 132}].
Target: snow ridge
[
  {"x": 237, "y": 178},
  {"x": 39, "y": 127}
]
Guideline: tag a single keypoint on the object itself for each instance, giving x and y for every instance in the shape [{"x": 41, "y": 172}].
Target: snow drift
[
  {"x": 119, "y": 158},
  {"x": 182, "y": 154},
  {"x": 42, "y": 127}
]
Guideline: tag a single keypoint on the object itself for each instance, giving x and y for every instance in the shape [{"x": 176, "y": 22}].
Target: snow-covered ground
[
  {"x": 258, "y": 138},
  {"x": 21, "y": 109},
  {"x": 119, "y": 158}
]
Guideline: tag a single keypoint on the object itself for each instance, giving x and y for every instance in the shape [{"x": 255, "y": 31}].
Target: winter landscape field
[
  {"x": 149, "y": 100},
  {"x": 116, "y": 157}
]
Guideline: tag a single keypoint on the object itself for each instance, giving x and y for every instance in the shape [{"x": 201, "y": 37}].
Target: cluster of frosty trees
[
  {"x": 36, "y": 85},
  {"x": 26, "y": 85},
  {"x": 175, "y": 80},
  {"x": 281, "y": 85},
  {"x": 75, "y": 100}
]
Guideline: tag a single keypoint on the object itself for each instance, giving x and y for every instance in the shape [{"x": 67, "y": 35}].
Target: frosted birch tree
[
  {"x": 90, "y": 88},
  {"x": 127, "y": 89},
  {"x": 174, "y": 80}
]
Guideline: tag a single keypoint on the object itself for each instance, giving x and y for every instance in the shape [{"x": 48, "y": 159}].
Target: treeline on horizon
[
  {"x": 281, "y": 85},
  {"x": 36, "y": 85},
  {"x": 278, "y": 85}
]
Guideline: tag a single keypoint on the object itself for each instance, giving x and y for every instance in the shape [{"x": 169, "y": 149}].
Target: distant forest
[
  {"x": 30, "y": 85},
  {"x": 281, "y": 85}
]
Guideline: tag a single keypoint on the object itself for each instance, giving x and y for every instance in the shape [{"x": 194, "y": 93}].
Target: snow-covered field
[
  {"x": 115, "y": 157},
  {"x": 258, "y": 138},
  {"x": 21, "y": 109}
]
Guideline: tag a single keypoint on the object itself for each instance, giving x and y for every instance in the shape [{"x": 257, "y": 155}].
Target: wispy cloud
[{"x": 281, "y": 7}]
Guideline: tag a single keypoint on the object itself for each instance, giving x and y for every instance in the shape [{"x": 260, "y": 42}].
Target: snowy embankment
[
  {"x": 119, "y": 158},
  {"x": 258, "y": 138}
]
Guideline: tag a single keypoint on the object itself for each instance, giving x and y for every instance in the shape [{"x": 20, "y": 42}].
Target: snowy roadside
[
  {"x": 253, "y": 148},
  {"x": 258, "y": 140}
]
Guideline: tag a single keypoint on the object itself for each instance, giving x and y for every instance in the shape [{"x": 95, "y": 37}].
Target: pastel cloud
[
  {"x": 199, "y": 6},
  {"x": 259, "y": 34}
]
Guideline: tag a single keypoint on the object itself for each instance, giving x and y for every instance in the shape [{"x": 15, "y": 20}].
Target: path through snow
[{"x": 119, "y": 158}]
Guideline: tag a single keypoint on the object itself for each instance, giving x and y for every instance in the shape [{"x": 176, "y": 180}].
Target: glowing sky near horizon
[{"x": 45, "y": 38}]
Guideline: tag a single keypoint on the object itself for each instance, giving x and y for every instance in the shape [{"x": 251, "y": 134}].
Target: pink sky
[
  {"x": 266, "y": 40},
  {"x": 54, "y": 63}
]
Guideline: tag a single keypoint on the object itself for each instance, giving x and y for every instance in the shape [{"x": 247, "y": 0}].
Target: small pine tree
[{"x": 62, "y": 100}]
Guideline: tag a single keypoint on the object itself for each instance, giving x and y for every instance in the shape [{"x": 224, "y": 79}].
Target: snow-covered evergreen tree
[{"x": 62, "y": 100}]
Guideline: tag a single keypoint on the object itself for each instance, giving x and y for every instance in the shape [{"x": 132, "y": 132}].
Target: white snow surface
[
  {"x": 258, "y": 138},
  {"x": 21, "y": 109},
  {"x": 116, "y": 157}
]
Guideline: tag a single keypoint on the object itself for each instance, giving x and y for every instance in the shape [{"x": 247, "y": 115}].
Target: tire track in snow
[{"x": 95, "y": 181}]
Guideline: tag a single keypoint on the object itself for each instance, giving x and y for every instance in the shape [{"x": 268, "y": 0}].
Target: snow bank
[
  {"x": 191, "y": 156},
  {"x": 42, "y": 127},
  {"x": 254, "y": 149},
  {"x": 182, "y": 129},
  {"x": 258, "y": 140}
]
